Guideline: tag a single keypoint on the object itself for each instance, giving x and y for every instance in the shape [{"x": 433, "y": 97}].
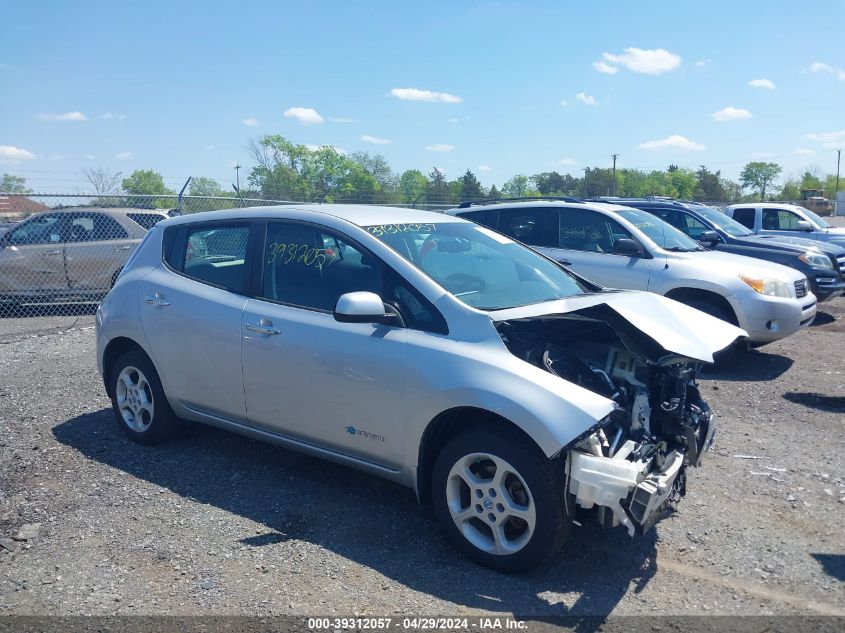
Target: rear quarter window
[{"x": 745, "y": 216}]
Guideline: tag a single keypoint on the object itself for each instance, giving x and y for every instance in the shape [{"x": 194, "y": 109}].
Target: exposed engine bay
[{"x": 630, "y": 468}]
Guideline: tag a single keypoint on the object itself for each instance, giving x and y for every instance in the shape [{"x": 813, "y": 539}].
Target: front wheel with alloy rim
[
  {"x": 500, "y": 500},
  {"x": 138, "y": 400}
]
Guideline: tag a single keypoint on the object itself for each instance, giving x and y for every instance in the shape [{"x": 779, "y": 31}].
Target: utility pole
[
  {"x": 614, "y": 156},
  {"x": 238, "y": 176},
  {"x": 836, "y": 191}
]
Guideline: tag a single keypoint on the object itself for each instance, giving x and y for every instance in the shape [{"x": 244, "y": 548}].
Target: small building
[{"x": 14, "y": 207}]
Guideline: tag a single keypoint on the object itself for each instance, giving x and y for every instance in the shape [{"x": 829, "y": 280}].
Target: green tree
[
  {"x": 494, "y": 194},
  {"x": 438, "y": 189},
  {"x": 145, "y": 182},
  {"x": 13, "y": 184},
  {"x": 412, "y": 185},
  {"x": 516, "y": 187},
  {"x": 709, "y": 185},
  {"x": 201, "y": 186},
  {"x": 470, "y": 189},
  {"x": 791, "y": 190},
  {"x": 758, "y": 176},
  {"x": 549, "y": 182}
]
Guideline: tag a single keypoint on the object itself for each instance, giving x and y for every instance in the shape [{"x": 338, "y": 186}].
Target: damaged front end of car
[{"x": 629, "y": 468}]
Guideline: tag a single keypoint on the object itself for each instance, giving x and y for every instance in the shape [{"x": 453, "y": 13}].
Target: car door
[
  {"x": 586, "y": 240},
  {"x": 338, "y": 386},
  {"x": 781, "y": 222},
  {"x": 191, "y": 311},
  {"x": 32, "y": 258},
  {"x": 96, "y": 249}
]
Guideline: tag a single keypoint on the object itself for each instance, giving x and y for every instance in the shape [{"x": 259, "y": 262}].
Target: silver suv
[
  {"x": 69, "y": 254},
  {"x": 622, "y": 247},
  {"x": 422, "y": 348}
]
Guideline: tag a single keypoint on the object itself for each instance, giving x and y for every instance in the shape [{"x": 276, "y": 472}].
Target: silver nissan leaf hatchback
[{"x": 513, "y": 395}]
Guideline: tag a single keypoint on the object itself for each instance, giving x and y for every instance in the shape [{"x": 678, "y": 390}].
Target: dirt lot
[{"x": 214, "y": 523}]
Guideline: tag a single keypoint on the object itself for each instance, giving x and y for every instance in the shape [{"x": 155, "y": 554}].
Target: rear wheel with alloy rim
[
  {"x": 138, "y": 400},
  {"x": 500, "y": 500}
]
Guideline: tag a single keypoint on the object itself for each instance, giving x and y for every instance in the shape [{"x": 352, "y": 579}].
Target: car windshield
[
  {"x": 722, "y": 221},
  {"x": 480, "y": 267},
  {"x": 816, "y": 218},
  {"x": 661, "y": 233}
]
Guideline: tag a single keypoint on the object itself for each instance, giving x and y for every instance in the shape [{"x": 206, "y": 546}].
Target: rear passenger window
[
  {"x": 535, "y": 227},
  {"x": 217, "y": 256},
  {"x": 93, "y": 227},
  {"x": 146, "y": 220},
  {"x": 307, "y": 267},
  {"x": 485, "y": 217},
  {"x": 745, "y": 217}
]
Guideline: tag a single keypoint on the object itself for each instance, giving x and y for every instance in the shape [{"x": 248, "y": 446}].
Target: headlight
[
  {"x": 816, "y": 260},
  {"x": 769, "y": 287}
]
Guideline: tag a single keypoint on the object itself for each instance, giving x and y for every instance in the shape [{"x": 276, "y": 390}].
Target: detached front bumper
[
  {"x": 637, "y": 493},
  {"x": 768, "y": 319}
]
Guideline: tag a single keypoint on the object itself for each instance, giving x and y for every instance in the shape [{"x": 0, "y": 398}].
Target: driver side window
[
  {"x": 46, "y": 229},
  {"x": 780, "y": 220}
]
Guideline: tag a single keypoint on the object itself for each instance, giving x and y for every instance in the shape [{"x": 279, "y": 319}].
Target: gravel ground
[{"x": 213, "y": 523}]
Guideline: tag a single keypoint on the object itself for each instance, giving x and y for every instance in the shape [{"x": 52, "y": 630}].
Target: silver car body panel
[{"x": 362, "y": 394}]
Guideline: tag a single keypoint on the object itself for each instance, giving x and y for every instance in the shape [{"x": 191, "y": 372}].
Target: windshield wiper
[{"x": 678, "y": 249}]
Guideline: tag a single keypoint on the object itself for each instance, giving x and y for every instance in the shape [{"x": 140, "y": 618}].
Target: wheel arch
[
  {"x": 447, "y": 425},
  {"x": 683, "y": 295},
  {"x": 114, "y": 350}
]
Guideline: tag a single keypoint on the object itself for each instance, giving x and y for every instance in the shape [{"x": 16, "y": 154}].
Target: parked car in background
[
  {"x": 5, "y": 227},
  {"x": 818, "y": 261},
  {"x": 776, "y": 218},
  {"x": 622, "y": 247},
  {"x": 421, "y": 348},
  {"x": 69, "y": 255}
]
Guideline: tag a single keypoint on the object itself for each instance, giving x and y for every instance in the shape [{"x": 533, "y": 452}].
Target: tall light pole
[
  {"x": 836, "y": 191},
  {"x": 238, "y": 176},
  {"x": 614, "y": 157}
]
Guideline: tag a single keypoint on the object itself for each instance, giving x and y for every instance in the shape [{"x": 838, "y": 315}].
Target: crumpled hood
[{"x": 674, "y": 327}]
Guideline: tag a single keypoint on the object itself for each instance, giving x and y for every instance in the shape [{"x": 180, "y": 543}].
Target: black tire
[
  {"x": 545, "y": 488},
  {"x": 146, "y": 428}
]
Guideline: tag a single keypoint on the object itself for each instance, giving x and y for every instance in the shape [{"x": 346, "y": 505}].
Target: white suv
[
  {"x": 622, "y": 247},
  {"x": 421, "y": 348}
]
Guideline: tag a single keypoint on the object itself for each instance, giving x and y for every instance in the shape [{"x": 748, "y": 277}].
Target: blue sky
[{"x": 181, "y": 87}]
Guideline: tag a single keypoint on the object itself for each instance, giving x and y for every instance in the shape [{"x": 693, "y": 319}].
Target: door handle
[
  {"x": 46, "y": 253},
  {"x": 121, "y": 248},
  {"x": 264, "y": 326},
  {"x": 157, "y": 300}
]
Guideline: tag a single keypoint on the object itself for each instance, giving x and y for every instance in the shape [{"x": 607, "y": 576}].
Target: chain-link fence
[{"x": 60, "y": 254}]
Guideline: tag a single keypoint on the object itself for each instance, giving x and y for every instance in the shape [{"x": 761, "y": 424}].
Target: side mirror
[
  {"x": 803, "y": 225},
  {"x": 365, "y": 307},
  {"x": 709, "y": 237},
  {"x": 628, "y": 247}
]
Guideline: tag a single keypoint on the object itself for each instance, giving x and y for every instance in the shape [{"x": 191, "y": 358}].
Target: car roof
[
  {"x": 551, "y": 204},
  {"x": 770, "y": 205},
  {"x": 359, "y": 214},
  {"x": 105, "y": 210}
]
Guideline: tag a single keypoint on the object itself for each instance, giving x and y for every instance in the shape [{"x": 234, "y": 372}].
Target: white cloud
[
  {"x": 832, "y": 140},
  {"x": 675, "y": 142},
  {"x": 563, "y": 103},
  {"x": 305, "y": 116},
  {"x": 730, "y": 114},
  {"x": 603, "y": 67},
  {"x": 484, "y": 168},
  {"x": 453, "y": 120},
  {"x": 586, "y": 99},
  {"x": 768, "y": 84},
  {"x": 374, "y": 139},
  {"x": 701, "y": 63},
  {"x": 106, "y": 116},
  {"x": 209, "y": 147},
  {"x": 567, "y": 162},
  {"x": 820, "y": 67},
  {"x": 340, "y": 120},
  {"x": 440, "y": 147},
  {"x": 67, "y": 116},
  {"x": 315, "y": 148},
  {"x": 10, "y": 152},
  {"x": 88, "y": 156},
  {"x": 803, "y": 151},
  {"x": 414, "y": 94},
  {"x": 124, "y": 155},
  {"x": 250, "y": 122},
  {"x": 655, "y": 61},
  {"x": 121, "y": 117}
]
